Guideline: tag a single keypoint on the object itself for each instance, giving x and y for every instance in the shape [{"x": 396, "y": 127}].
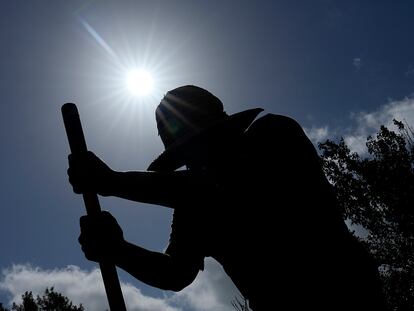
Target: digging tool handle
[{"x": 77, "y": 145}]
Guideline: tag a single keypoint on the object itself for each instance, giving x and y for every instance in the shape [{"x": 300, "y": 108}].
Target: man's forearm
[
  {"x": 153, "y": 268},
  {"x": 168, "y": 189}
]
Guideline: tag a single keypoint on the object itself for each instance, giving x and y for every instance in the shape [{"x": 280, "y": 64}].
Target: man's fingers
[
  {"x": 81, "y": 159},
  {"x": 77, "y": 188},
  {"x": 83, "y": 221},
  {"x": 70, "y": 158},
  {"x": 107, "y": 218},
  {"x": 100, "y": 237},
  {"x": 91, "y": 224}
]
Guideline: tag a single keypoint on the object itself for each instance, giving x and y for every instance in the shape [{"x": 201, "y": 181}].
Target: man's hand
[
  {"x": 101, "y": 237},
  {"x": 88, "y": 173}
]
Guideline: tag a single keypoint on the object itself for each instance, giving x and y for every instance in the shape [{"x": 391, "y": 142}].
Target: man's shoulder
[
  {"x": 274, "y": 133},
  {"x": 274, "y": 123}
]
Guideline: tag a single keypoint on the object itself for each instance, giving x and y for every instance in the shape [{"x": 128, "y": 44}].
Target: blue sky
[{"x": 337, "y": 67}]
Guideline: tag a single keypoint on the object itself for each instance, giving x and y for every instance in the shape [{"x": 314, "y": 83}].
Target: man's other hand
[{"x": 101, "y": 237}]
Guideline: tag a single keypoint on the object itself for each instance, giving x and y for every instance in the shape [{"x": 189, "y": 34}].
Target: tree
[
  {"x": 376, "y": 191},
  {"x": 241, "y": 304},
  {"x": 50, "y": 301}
]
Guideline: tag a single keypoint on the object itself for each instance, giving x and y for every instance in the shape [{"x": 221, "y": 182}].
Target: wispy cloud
[
  {"x": 357, "y": 63},
  {"x": 212, "y": 290},
  {"x": 410, "y": 71}
]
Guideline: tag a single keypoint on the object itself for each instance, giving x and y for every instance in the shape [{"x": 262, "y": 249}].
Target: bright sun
[{"x": 139, "y": 82}]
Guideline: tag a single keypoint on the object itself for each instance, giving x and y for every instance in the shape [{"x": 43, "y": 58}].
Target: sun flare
[{"x": 139, "y": 82}]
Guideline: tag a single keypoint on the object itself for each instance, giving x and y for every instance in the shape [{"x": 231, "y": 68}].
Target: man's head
[
  {"x": 185, "y": 112},
  {"x": 195, "y": 129}
]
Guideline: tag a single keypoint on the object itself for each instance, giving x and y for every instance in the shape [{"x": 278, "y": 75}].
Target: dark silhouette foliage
[
  {"x": 49, "y": 301},
  {"x": 376, "y": 191},
  {"x": 240, "y": 304}
]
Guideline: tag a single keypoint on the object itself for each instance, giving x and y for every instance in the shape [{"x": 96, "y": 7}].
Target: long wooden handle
[{"x": 77, "y": 145}]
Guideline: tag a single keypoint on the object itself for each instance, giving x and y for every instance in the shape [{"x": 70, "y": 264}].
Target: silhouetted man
[{"x": 253, "y": 196}]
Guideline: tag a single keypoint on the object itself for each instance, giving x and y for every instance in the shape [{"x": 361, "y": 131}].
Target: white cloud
[
  {"x": 212, "y": 290},
  {"x": 317, "y": 134},
  {"x": 356, "y": 142},
  {"x": 364, "y": 124},
  {"x": 368, "y": 123},
  {"x": 80, "y": 286}
]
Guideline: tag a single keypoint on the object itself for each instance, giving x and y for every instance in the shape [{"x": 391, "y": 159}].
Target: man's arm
[
  {"x": 158, "y": 269},
  {"x": 89, "y": 173},
  {"x": 102, "y": 240},
  {"x": 169, "y": 189}
]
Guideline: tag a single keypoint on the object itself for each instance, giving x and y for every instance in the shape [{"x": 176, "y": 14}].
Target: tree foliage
[
  {"x": 376, "y": 191},
  {"x": 49, "y": 301},
  {"x": 240, "y": 304}
]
